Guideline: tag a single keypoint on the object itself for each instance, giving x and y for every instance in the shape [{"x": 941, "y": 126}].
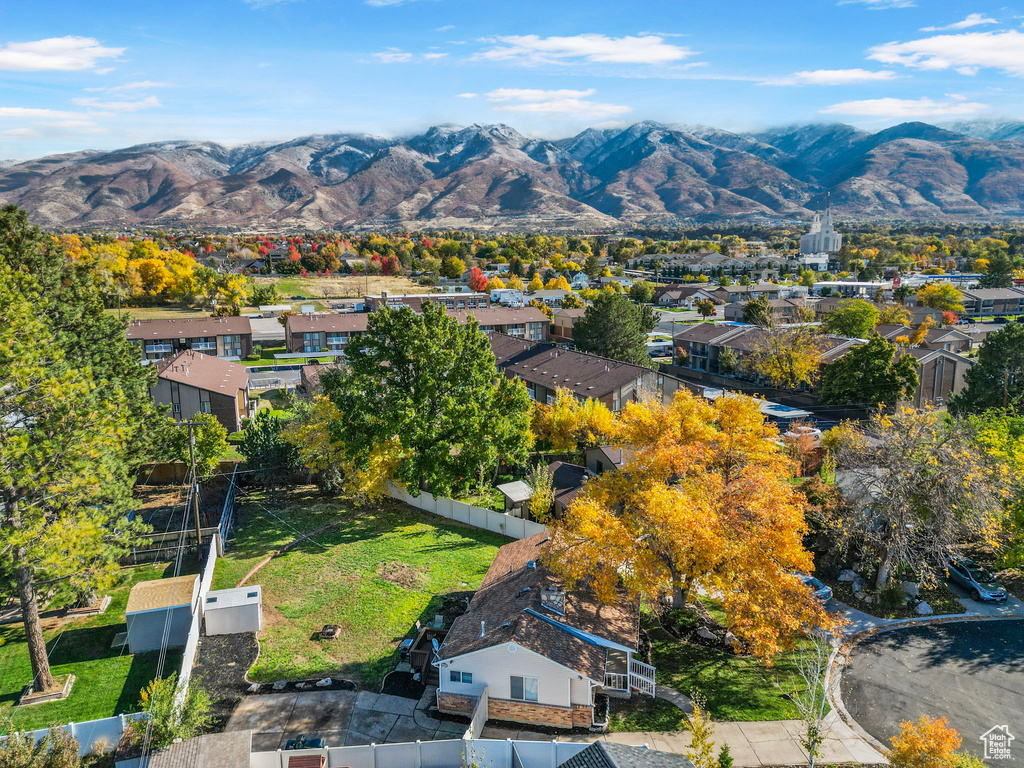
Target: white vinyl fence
[
  {"x": 92, "y": 735},
  {"x": 487, "y": 753},
  {"x": 188, "y": 658},
  {"x": 478, "y": 517},
  {"x": 479, "y": 718}
]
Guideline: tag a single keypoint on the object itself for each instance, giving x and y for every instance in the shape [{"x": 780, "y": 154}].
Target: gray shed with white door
[{"x": 230, "y": 611}]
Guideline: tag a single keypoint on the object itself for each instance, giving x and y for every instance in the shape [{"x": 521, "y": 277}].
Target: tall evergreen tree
[
  {"x": 996, "y": 380},
  {"x": 999, "y": 273},
  {"x": 615, "y": 327}
]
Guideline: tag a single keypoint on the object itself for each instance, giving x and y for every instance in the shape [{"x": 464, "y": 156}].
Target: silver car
[
  {"x": 978, "y": 581},
  {"x": 821, "y": 590}
]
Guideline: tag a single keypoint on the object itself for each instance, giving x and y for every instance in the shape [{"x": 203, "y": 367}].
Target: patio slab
[
  {"x": 262, "y": 714},
  {"x": 376, "y": 725},
  {"x": 266, "y": 742},
  {"x": 394, "y": 705},
  {"x": 405, "y": 729}
]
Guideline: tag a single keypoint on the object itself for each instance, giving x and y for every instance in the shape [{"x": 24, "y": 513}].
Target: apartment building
[
  {"x": 333, "y": 333},
  {"x": 453, "y": 301},
  {"x": 563, "y": 322},
  {"x": 192, "y": 383},
  {"x": 228, "y": 337},
  {"x": 986, "y": 302}
]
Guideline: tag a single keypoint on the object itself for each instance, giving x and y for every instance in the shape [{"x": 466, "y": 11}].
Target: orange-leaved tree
[
  {"x": 705, "y": 501},
  {"x": 927, "y": 743},
  {"x": 572, "y": 425}
]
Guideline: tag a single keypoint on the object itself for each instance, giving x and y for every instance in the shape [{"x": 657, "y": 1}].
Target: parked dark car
[
  {"x": 978, "y": 581},
  {"x": 821, "y": 590}
]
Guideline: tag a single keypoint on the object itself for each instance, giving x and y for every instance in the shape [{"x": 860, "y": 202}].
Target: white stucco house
[{"x": 541, "y": 654}]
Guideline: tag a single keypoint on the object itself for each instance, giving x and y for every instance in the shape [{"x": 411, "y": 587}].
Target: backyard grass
[
  {"x": 108, "y": 680},
  {"x": 374, "y": 574}
]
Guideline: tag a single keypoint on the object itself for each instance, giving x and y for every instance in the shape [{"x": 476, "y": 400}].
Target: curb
[{"x": 841, "y": 657}]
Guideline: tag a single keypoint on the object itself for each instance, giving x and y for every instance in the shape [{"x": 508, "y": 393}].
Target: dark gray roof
[
  {"x": 214, "y": 750},
  {"x": 607, "y": 754},
  {"x": 548, "y": 365},
  {"x": 189, "y": 327}
]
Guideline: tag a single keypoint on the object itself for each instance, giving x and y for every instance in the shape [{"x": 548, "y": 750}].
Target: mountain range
[{"x": 493, "y": 176}]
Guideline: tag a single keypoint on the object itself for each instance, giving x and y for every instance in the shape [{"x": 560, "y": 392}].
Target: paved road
[{"x": 971, "y": 673}]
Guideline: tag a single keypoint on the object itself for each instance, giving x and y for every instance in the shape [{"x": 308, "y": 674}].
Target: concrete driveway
[
  {"x": 1012, "y": 606},
  {"x": 969, "y": 672},
  {"x": 340, "y": 718}
]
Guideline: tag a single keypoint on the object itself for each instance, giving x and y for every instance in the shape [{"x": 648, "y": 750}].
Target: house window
[
  {"x": 204, "y": 407},
  {"x": 176, "y": 409},
  {"x": 523, "y": 688},
  {"x": 311, "y": 342},
  {"x": 466, "y": 678},
  {"x": 232, "y": 345}
]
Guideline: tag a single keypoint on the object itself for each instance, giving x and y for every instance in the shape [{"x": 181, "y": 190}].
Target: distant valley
[{"x": 492, "y": 176}]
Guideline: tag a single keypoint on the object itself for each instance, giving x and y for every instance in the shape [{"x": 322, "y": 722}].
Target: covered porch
[{"x": 625, "y": 674}]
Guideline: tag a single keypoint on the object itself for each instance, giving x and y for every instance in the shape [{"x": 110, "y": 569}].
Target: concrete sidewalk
[{"x": 752, "y": 745}]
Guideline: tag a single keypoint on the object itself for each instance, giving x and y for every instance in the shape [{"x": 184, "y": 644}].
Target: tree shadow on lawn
[{"x": 141, "y": 673}]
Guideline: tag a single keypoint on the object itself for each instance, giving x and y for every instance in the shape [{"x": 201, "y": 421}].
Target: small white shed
[{"x": 229, "y": 611}]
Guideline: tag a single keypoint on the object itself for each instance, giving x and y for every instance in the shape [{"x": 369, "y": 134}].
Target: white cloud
[
  {"x": 972, "y": 20},
  {"x": 467, "y": 95},
  {"x": 880, "y": 4},
  {"x": 431, "y": 56},
  {"x": 965, "y": 53},
  {"x": 905, "y": 108},
  {"x": 29, "y": 113},
  {"x": 393, "y": 56},
  {"x": 445, "y": 28},
  {"x": 831, "y": 77},
  {"x": 138, "y": 85},
  {"x": 63, "y": 54},
  {"x": 117, "y": 106},
  {"x": 593, "y": 48},
  {"x": 554, "y": 102}
]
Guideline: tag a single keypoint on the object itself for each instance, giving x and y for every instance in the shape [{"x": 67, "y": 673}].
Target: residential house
[
  {"x": 985, "y": 302},
  {"x": 526, "y": 322},
  {"x": 320, "y": 331},
  {"x": 940, "y": 371},
  {"x": 552, "y": 297},
  {"x": 567, "y": 481},
  {"x": 455, "y": 300},
  {"x": 783, "y": 310},
  {"x": 578, "y": 281},
  {"x": 540, "y": 654},
  {"x": 731, "y": 293},
  {"x": 229, "y": 337},
  {"x": 508, "y": 297},
  {"x": 606, "y": 457},
  {"x": 622, "y": 280},
  {"x": 192, "y": 383},
  {"x": 563, "y": 321},
  {"x": 682, "y": 295},
  {"x": 853, "y": 289},
  {"x": 609, "y": 754},
  {"x": 935, "y": 338},
  {"x": 546, "y": 368}
]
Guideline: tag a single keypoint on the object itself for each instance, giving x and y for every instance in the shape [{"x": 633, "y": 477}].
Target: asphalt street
[{"x": 972, "y": 673}]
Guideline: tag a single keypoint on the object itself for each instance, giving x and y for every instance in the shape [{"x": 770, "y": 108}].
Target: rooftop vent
[{"x": 531, "y": 565}]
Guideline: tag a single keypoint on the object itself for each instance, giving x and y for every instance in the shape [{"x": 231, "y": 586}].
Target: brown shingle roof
[
  {"x": 213, "y": 374},
  {"x": 500, "y": 315},
  {"x": 509, "y": 604},
  {"x": 161, "y": 593},
  {"x": 708, "y": 333},
  {"x": 189, "y": 328},
  {"x": 351, "y": 322},
  {"x": 546, "y": 364}
]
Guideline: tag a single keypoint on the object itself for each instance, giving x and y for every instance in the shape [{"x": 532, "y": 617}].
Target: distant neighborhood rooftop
[{"x": 187, "y": 328}]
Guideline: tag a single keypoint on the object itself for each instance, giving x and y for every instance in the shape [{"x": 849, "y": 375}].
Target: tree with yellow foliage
[
  {"x": 535, "y": 284},
  {"x": 495, "y": 284},
  {"x": 557, "y": 284},
  {"x": 570, "y": 424},
  {"x": 515, "y": 283},
  {"x": 928, "y": 743},
  {"x": 705, "y": 500}
]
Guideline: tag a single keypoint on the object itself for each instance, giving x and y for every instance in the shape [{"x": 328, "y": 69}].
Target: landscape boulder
[
  {"x": 706, "y": 634},
  {"x": 923, "y": 609},
  {"x": 910, "y": 589},
  {"x": 848, "y": 575}
]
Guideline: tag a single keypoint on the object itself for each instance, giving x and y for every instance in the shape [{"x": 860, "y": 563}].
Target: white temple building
[{"x": 822, "y": 237}]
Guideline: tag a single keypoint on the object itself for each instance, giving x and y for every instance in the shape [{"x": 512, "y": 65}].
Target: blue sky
[{"x": 77, "y": 75}]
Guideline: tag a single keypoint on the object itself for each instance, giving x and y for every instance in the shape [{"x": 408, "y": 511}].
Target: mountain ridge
[{"x": 490, "y": 175}]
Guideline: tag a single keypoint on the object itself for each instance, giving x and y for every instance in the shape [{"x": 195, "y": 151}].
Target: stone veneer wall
[{"x": 530, "y": 712}]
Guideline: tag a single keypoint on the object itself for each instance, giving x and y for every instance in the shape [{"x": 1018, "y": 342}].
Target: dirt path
[{"x": 293, "y": 543}]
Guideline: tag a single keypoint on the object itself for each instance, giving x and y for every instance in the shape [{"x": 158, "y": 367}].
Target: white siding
[{"x": 493, "y": 667}]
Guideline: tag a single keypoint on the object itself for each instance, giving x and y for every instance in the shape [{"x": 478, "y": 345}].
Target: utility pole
[{"x": 195, "y": 486}]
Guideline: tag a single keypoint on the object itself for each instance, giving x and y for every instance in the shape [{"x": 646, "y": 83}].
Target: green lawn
[
  {"x": 108, "y": 680},
  {"x": 374, "y": 574}
]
